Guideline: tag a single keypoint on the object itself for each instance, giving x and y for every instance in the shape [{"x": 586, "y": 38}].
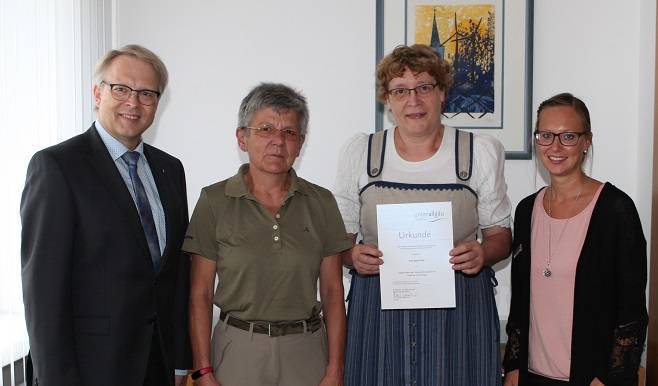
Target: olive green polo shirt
[{"x": 268, "y": 265}]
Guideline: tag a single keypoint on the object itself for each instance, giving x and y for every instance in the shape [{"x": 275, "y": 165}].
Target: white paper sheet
[{"x": 415, "y": 240}]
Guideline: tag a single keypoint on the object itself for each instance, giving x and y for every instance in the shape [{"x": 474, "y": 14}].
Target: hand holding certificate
[{"x": 415, "y": 239}]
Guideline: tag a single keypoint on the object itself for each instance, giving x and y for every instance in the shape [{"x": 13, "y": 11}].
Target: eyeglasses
[
  {"x": 567, "y": 138},
  {"x": 268, "y": 131},
  {"x": 401, "y": 93},
  {"x": 122, "y": 93}
]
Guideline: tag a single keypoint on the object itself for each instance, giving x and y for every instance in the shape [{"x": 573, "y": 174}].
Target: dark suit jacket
[
  {"x": 609, "y": 312},
  {"x": 92, "y": 298}
]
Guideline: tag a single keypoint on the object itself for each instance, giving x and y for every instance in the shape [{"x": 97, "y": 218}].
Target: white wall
[
  {"x": 600, "y": 50},
  {"x": 216, "y": 51}
]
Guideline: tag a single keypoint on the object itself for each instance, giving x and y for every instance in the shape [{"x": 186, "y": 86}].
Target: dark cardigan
[{"x": 609, "y": 315}]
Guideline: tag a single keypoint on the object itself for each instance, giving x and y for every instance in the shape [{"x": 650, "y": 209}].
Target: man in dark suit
[{"x": 105, "y": 285}]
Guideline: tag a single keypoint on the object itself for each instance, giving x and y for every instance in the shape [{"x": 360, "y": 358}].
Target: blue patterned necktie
[{"x": 144, "y": 208}]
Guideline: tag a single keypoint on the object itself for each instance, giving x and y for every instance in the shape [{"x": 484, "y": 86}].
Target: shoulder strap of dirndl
[
  {"x": 376, "y": 150},
  {"x": 463, "y": 155}
]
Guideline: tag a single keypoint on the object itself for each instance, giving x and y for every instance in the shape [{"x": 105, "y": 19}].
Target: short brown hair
[
  {"x": 138, "y": 52},
  {"x": 417, "y": 58}
]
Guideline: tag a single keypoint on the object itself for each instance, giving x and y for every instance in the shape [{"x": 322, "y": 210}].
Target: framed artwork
[{"x": 489, "y": 45}]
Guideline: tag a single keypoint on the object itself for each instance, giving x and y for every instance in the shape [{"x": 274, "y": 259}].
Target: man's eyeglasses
[
  {"x": 268, "y": 131},
  {"x": 401, "y": 93},
  {"x": 567, "y": 138},
  {"x": 122, "y": 93}
]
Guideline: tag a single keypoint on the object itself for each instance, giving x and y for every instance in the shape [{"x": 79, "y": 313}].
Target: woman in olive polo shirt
[{"x": 269, "y": 236}]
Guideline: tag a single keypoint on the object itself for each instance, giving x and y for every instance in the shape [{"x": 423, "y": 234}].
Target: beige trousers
[{"x": 241, "y": 358}]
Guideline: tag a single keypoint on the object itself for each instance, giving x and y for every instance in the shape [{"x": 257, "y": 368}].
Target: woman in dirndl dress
[{"x": 421, "y": 160}]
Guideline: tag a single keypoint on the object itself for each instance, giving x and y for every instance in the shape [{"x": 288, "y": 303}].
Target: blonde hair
[{"x": 138, "y": 52}]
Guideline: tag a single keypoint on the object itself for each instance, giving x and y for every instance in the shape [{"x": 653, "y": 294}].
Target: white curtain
[{"x": 47, "y": 52}]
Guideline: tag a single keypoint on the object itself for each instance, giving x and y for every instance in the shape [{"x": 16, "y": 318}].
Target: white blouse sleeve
[
  {"x": 494, "y": 207},
  {"x": 351, "y": 165}
]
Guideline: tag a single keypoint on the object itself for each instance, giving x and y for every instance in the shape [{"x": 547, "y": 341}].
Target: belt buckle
[{"x": 269, "y": 329}]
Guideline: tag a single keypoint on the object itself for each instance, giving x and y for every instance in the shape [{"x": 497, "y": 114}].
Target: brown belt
[{"x": 273, "y": 328}]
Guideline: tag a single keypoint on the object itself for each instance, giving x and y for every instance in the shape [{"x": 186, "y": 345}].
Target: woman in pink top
[{"x": 578, "y": 311}]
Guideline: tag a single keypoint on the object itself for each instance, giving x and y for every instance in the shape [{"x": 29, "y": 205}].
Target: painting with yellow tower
[
  {"x": 489, "y": 46},
  {"x": 465, "y": 33}
]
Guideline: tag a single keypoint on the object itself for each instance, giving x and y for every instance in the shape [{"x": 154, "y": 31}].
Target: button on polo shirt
[{"x": 268, "y": 265}]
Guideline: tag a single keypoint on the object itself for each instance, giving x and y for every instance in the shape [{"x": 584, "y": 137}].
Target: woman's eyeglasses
[
  {"x": 401, "y": 93},
  {"x": 267, "y": 131},
  {"x": 567, "y": 138}
]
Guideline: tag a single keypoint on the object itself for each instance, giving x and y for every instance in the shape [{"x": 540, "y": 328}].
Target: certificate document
[{"x": 415, "y": 240}]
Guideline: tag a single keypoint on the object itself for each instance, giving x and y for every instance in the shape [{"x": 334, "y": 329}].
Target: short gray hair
[
  {"x": 138, "y": 52},
  {"x": 276, "y": 96}
]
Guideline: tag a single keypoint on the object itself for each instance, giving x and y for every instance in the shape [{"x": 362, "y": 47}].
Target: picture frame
[{"x": 492, "y": 65}]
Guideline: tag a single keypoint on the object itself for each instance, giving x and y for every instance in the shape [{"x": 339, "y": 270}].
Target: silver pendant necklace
[{"x": 547, "y": 268}]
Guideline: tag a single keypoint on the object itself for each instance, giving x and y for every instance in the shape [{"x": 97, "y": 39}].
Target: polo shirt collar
[{"x": 236, "y": 186}]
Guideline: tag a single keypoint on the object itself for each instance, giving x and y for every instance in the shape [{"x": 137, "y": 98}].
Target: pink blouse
[{"x": 551, "y": 298}]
